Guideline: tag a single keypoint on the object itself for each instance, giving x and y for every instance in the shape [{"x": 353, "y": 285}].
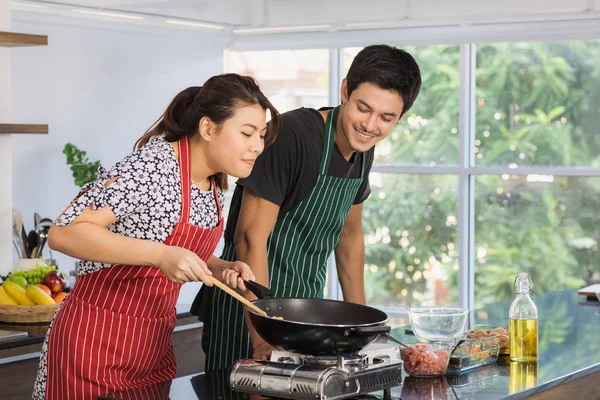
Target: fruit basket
[
  {"x": 32, "y": 296},
  {"x": 27, "y": 314}
]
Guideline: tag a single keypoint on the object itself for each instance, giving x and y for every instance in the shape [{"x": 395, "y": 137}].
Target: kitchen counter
[
  {"x": 37, "y": 332},
  {"x": 568, "y": 366}
]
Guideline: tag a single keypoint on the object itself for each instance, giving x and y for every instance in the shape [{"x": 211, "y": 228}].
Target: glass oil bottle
[{"x": 523, "y": 322}]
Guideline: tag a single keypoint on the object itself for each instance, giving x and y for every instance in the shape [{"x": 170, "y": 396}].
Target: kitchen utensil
[
  {"x": 437, "y": 324},
  {"x": 24, "y": 239},
  {"x": 32, "y": 241},
  {"x": 19, "y": 230},
  {"x": 45, "y": 223},
  {"x": 316, "y": 326},
  {"x": 17, "y": 246},
  {"x": 42, "y": 238},
  {"x": 461, "y": 341},
  {"x": 236, "y": 295},
  {"x": 42, "y": 230},
  {"x": 36, "y": 219}
]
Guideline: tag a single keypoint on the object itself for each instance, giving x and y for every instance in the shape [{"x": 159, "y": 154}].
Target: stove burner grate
[{"x": 350, "y": 362}]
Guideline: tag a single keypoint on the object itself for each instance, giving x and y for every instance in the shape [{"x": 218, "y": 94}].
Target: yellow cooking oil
[
  {"x": 522, "y": 375},
  {"x": 523, "y": 339}
]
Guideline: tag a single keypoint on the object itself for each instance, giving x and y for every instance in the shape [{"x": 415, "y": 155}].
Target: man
[{"x": 304, "y": 199}]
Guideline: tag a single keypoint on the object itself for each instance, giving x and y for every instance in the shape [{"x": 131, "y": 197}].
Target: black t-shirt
[{"x": 286, "y": 171}]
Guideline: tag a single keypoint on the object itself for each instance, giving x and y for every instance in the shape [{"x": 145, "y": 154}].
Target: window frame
[{"x": 466, "y": 170}]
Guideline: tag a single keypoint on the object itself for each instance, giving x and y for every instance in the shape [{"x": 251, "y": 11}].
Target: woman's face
[{"x": 240, "y": 139}]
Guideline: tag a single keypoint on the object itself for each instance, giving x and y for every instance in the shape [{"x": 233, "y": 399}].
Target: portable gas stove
[{"x": 296, "y": 376}]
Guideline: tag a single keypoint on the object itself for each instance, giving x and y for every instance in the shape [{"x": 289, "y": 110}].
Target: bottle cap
[{"x": 522, "y": 283}]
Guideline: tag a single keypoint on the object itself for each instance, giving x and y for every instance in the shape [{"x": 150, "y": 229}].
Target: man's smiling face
[{"x": 367, "y": 116}]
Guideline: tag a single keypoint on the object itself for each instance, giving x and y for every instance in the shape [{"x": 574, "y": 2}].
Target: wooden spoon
[{"x": 237, "y": 296}]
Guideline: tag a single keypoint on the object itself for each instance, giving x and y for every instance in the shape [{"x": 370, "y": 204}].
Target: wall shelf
[
  {"x": 11, "y": 39},
  {"x": 23, "y": 128}
]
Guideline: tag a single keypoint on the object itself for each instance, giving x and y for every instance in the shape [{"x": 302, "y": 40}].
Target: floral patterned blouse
[{"x": 146, "y": 197}]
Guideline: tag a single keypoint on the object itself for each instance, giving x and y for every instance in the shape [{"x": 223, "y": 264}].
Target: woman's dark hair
[
  {"x": 389, "y": 68},
  {"x": 217, "y": 100}
]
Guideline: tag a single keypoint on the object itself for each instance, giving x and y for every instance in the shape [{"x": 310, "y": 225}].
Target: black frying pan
[{"x": 315, "y": 326}]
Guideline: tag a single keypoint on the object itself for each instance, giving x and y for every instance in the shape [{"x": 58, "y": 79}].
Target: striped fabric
[
  {"x": 113, "y": 331},
  {"x": 298, "y": 249}
]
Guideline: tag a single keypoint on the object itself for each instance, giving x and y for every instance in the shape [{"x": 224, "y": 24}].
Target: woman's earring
[{"x": 342, "y": 101}]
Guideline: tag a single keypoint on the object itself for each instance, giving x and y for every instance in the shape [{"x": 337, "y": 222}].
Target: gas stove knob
[{"x": 286, "y": 360}]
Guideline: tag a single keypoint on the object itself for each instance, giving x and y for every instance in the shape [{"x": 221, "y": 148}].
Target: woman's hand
[
  {"x": 181, "y": 265},
  {"x": 234, "y": 275}
]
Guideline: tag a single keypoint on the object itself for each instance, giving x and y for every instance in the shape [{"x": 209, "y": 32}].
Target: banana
[
  {"x": 17, "y": 293},
  {"x": 38, "y": 296},
  {"x": 5, "y": 299}
]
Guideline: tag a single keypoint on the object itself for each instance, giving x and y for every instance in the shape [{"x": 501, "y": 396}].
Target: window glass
[
  {"x": 537, "y": 104},
  {"x": 411, "y": 232},
  {"x": 289, "y": 78}
]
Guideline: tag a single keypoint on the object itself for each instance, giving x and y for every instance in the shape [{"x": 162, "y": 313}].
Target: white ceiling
[
  {"x": 237, "y": 16},
  {"x": 229, "y": 12},
  {"x": 226, "y": 12}
]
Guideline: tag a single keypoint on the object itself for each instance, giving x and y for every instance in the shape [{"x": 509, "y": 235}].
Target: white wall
[
  {"x": 99, "y": 89},
  {"x": 5, "y": 148}
]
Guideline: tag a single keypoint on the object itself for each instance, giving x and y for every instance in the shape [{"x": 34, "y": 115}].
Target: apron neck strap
[
  {"x": 185, "y": 178},
  {"x": 330, "y": 128}
]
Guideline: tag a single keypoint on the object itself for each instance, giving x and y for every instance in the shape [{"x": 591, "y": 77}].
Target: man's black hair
[{"x": 389, "y": 68}]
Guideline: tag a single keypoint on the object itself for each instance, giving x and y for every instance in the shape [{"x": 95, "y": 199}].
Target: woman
[{"x": 145, "y": 227}]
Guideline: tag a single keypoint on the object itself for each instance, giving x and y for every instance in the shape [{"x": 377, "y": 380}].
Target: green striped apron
[{"x": 298, "y": 248}]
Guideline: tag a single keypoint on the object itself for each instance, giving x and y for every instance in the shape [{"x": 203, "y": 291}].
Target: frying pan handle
[
  {"x": 259, "y": 290},
  {"x": 369, "y": 330}
]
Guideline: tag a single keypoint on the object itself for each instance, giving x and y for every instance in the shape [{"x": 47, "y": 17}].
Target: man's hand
[
  {"x": 263, "y": 351},
  {"x": 236, "y": 274}
]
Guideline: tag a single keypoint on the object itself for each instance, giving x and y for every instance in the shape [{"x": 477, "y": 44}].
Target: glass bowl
[
  {"x": 426, "y": 360},
  {"x": 438, "y": 324}
]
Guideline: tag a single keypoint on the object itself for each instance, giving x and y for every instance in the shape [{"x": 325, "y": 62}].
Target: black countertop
[{"x": 569, "y": 334}]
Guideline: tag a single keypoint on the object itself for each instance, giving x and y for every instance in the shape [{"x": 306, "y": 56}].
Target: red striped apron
[{"x": 113, "y": 331}]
